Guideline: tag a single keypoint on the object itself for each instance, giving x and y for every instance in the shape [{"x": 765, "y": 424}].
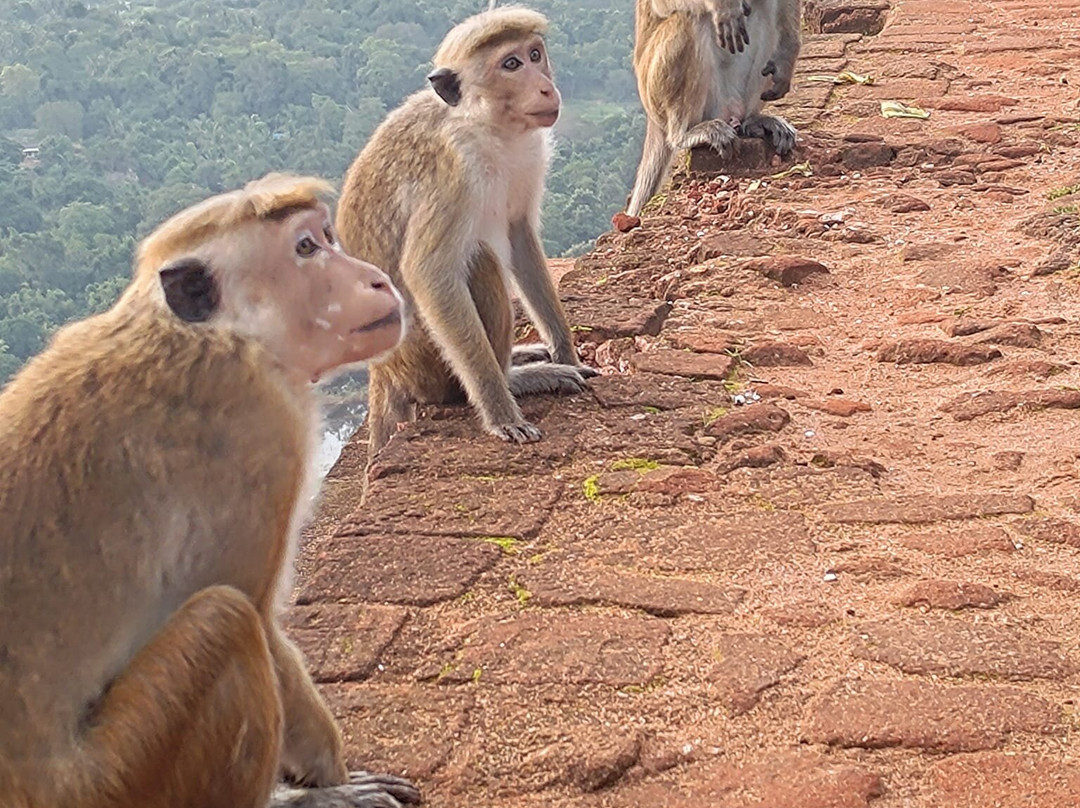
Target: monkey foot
[
  {"x": 624, "y": 223},
  {"x": 527, "y": 354},
  {"x": 364, "y": 790},
  {"x": 776, "y": 130}
]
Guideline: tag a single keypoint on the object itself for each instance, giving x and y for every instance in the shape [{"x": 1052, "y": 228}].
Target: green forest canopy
[{"x": 137, "y": 108}]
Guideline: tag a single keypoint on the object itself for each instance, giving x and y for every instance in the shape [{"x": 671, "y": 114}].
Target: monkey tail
[{"x": 656, "y": 154}]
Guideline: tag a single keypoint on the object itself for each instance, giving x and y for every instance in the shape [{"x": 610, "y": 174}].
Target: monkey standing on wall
[
  {"x": 704, "y": 67},
  {"x": 155, "y": 465},
  {"x": 446, "y": 198}
]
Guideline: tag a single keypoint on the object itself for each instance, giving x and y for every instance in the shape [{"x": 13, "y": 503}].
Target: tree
[{"x": 23, "y": 337}]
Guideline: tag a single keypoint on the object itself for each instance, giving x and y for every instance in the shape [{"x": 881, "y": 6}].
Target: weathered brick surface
[
  {"x": 993, "y": 778},
  {"x": 793, "y": 780},
  {"x": 554, "y": 649},
  {"x": 745, "y": 665},
  {"x": 949, "y": 595},
  {"x": 949, "y": 647},
  {"x": 924, "y": 509},
  {"x": 344, "y": 642},
  {"x": 919, "y": 715},
  {"x": 557, "y": 585},
  {"x": 812, "y": 539}
]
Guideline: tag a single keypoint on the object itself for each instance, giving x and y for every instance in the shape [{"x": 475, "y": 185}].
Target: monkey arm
[
  {"x": 728, "y": 17},
  {"x": 435, "y": 269},
  {"x": 782, "y": 64},
  {"x": 311, "y": 748},
  {"x": 530, "y": 271}
]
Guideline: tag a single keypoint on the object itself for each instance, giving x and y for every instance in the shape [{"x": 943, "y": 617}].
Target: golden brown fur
[
  {"x": 702, "y": 85},
  {"x": 446, "y": 197},
  {"x": 154, "y": 469}
]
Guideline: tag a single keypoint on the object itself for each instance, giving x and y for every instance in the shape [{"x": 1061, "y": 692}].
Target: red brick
[
  {"x": 922, "y": 715},
  {"x": 952, "y": 595},
  {"x": 946, "y": 646},
  {"x": 1006, "y": 780}
]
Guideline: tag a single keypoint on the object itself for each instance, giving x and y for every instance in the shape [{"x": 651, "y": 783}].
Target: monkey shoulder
[{"x": 414, "y": 146}]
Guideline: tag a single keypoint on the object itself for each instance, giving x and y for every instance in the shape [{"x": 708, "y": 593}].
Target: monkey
[
  {"x": 155, "y": 469},
  {"x": 703, "y": 69},
  {"x": 445, "y": 197}
]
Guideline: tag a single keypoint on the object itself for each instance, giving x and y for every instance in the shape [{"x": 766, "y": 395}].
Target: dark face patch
[
  {"x": 447, "y": 85},
  {"x": 190, "y": 289}
]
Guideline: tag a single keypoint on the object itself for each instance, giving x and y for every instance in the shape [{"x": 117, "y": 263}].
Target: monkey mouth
[
  {"x": 393, "y": 318},
  {"x": 547, "y": 117}
]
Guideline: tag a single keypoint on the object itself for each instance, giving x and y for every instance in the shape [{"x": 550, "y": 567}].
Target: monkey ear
[
  {"x": 447, "y": 84},
  {"x": 190, "y": 289}
]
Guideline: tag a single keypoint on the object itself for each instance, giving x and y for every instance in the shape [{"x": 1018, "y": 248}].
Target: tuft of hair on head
[
  {"x": 269, "y": 197},
  {"x": 486, "y": 30}
]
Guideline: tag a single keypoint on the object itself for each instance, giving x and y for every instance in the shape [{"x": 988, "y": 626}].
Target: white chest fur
[{"x": 509, "y": 187}]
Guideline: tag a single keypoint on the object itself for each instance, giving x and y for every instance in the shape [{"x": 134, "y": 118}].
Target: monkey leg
[
  {"x": 528, "y": 354},
  {"x": 718, "y": 135},
  {"x": 773, "y": 129},
  {"x": 656, "y": 156},
  {"x": 537, "y": 379},
  {"x": 195, "y": 719},
  {"x": 388, "y": 406}
]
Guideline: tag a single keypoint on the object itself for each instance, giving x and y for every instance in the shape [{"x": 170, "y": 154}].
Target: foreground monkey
[
  {"x": 446, "y": 198},
  {"x": 704, "y": 67},
  {"x": 154, "y": 469}
]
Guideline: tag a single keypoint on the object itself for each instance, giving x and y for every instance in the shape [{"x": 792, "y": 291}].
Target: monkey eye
[
  {"x": 329, "y": 234},
  {"x": 306, "y": 247},
  {"x": 535, "y": 54},
  {"x": 512, "y": 63}
]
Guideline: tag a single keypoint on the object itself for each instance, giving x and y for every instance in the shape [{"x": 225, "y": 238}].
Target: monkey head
[
  {"x": 264, "y": 263},
  {"x": 495, "y": 64}
]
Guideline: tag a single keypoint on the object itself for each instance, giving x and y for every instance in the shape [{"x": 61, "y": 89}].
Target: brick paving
[{"x": 813, "y": 539}]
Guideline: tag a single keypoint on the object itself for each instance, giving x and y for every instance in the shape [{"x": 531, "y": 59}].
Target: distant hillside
[{"x": 113, "y": 115}]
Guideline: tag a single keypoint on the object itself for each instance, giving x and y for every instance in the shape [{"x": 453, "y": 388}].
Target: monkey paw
[
  {"x": 545, "y": 378},
  {"x": 716, "y": 134},
  {"x": 522, "y": 432},
  {"x": 587, "y": 372},
  {"x": 729, "y": 19},
  {"x": 781, "y": 83},
  {"x": 364, "y": 790},
  {"x": 527, "y": 354},
  {"x": 773, "y": 129}
]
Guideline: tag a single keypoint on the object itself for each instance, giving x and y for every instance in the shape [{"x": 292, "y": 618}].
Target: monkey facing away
[
  {"x": 703, "y": 68},
  {"x": 155, "y": 465},
  {"x": 446, "y": 198}
]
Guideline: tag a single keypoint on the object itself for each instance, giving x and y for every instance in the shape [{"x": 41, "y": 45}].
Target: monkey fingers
[
  {"x": 364, "y": 790},
  {"x": 731, "y": 30},
  {"x": 523, "y": 432},
  {"x": 587, "y": 372},
  {"x": 716, "y": 134},
  {"x": 773, "y": 129}
]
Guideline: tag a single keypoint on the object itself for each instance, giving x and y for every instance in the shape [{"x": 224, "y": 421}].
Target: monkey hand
[
  {"x": 587, "y": 372},
  {"x": 729, "y": 18},
  {"x": 781, "y": 82}
]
